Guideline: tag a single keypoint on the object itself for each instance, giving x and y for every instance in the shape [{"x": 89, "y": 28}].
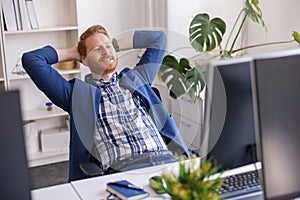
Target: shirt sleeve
[
  {"x": 155, "y": 44},
  {"x": 37, "y": 64}
]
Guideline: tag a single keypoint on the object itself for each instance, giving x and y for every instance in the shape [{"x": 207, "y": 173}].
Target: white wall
[
  {"x": 120, "y": 17},
  {"x": 281, "y": 18},
  {"x": 117, "y": 16},
  {"x": 174, "y": 16},
  {"x": 181, "y": 13}
]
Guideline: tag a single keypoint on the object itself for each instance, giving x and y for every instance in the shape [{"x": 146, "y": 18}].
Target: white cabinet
[
  {"x": 58, "y": 27},
  {"x": 46, "y": 120},
  {"x": 188, "y": 117}
]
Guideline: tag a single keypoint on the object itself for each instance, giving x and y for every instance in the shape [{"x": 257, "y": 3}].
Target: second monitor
[{"x": 228, "y": 133}]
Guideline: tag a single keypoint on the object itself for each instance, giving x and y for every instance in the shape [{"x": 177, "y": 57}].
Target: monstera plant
[{"x": 206, "y": 35}]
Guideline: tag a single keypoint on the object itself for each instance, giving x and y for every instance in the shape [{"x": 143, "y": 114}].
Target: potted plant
[
  {"x": 192, "y": 181},
  {"x": 206, "y": 35}
]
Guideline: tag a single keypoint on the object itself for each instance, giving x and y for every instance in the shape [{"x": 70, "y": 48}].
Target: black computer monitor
[
  {"x": 14, "y": 174},
  {"x": 229, "y": 134},
  {"x": 276, "y": 79}
]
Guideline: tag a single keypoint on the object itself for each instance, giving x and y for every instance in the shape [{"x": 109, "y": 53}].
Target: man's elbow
[
  {"x": 158, "y": 40},
  {"x": 26, "y": 60},
  {"x": 162, "y": 38}
]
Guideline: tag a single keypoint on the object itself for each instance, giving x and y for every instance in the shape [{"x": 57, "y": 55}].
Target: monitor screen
[
  {"x": 229, "y": 134},
  {"x": 276, "y": 81},
  {"x": 14, "y": 172}
]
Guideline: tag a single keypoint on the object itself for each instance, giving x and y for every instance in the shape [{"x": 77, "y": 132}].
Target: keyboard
[{"x": 240, "y": 184}]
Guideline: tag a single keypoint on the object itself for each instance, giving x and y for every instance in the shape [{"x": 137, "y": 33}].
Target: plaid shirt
[{"x": 124, "y": 127}]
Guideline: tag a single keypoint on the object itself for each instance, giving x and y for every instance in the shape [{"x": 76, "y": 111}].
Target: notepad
[{"x": 126, "y": 190}]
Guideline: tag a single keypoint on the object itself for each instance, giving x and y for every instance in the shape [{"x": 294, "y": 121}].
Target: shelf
[
  {"x": 41, "y": 30},
  {"x": 58, "y": 27},
  {"x": 42, "y": 113},
  {"x": 25, "y": 76},
  {"x": 69, "y": 71},
  {"x": 18, "y": 76},
  {"x": 44, "y": 158}
]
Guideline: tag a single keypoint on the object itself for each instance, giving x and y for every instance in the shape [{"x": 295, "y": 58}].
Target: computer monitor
[
  {"x": 276, "y": 81},
  {"x": 229, "y": 134},
  {"x": 14, "y": 172}
]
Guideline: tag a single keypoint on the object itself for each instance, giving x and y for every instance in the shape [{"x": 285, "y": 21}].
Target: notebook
[
  {"x": 229, "y": 133},
  {"x": 14, "y": 172},
  {"x": 126, "y": 190}
]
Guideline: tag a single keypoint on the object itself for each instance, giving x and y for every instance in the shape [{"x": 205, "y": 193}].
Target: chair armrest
[
  {"x": 90, "y": 169},
  {"x": 195, "y": 152}
]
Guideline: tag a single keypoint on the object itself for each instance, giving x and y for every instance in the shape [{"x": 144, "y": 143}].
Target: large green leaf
[
  {"x": 206, "y": 34},
  {"x": 194, "y": 79},
  {"x": 172, "y": 72},
  {"x": 171, "y": 62},
  {"x": 253, "y": 11}
]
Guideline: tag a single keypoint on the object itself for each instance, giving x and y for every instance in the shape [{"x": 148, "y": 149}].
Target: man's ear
[{"x": 83, "y": 60}]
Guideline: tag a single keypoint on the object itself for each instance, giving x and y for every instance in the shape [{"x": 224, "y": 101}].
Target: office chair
[{"x": 91, "y": 168}]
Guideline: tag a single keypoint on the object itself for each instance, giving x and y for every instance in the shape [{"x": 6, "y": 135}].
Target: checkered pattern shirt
[{"x": 124, "y": 127}]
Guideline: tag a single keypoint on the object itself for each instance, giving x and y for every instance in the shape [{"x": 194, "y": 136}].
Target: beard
[
  {"x": 111, "y": 67},
  {"x": 101, "y": 67}
]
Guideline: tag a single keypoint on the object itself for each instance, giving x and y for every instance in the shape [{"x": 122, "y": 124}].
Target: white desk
[
  {"x": 94, "y": 188},
  {"x": 58, "y": 192}
]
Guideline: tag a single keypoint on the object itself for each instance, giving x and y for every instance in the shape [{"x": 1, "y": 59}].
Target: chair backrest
[{"x": 157, "y": 92}]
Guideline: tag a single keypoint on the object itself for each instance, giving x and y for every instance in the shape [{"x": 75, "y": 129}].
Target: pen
[{"x": 127, "y": 186}]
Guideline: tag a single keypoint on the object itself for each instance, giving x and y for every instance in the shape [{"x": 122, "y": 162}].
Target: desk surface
[
  {"x": 63, "y": 191},
  {"x": 94, "y": 188}
]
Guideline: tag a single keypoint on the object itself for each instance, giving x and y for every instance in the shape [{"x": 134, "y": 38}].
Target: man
[{"x": 115, "y": 118}]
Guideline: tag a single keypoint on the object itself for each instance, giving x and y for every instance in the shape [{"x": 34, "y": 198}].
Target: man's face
[{"x": 101, "y": 55}]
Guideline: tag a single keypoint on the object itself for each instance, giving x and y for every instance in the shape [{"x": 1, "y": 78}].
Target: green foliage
[
  {"x": 253, "y": 12},
  {"x": 192, "y": 182},
  {"x": 296, "y": 37},
  {"x": 172, "y": 72},
  {"x": 180, "y": 77},
  {"x": 194, "y": 78},
  {"x": 206, "y": 35}
]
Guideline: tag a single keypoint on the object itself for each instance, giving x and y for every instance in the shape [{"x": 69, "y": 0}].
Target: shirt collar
[
  {"x": 113, "y": 81},
  {"x": 100, "y": 82}
]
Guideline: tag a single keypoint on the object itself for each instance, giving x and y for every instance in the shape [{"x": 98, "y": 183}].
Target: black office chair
[{"x": 91, "y": 168}]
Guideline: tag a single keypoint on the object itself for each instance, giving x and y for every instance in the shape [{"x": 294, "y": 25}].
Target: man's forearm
[
  {"x": 68, "y": 54},
  {"x": 149, "y": 39},
  {"x": 125, "y": 43},
  {"x": 142, "y": 39}
]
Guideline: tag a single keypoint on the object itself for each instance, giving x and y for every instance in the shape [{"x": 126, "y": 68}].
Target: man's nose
[{"x": 104, "y": 51}]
